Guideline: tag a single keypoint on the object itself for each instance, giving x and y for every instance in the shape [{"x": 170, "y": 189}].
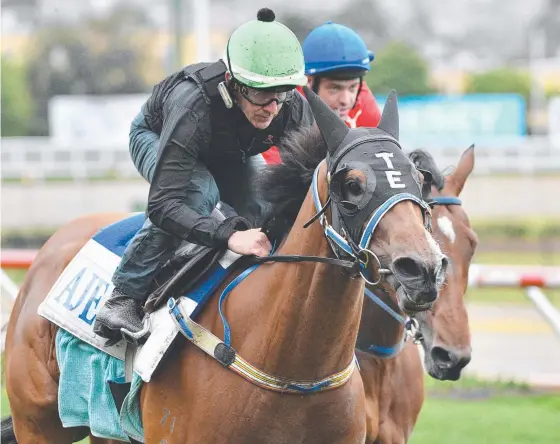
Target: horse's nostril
[
  {"x": 454, "y": 359},
  {"x": 444, "y": 264},
  {"x": 443, "y": 358},
  {"x": 441, "y": 272},
  {"x": 408, "y": 267}
]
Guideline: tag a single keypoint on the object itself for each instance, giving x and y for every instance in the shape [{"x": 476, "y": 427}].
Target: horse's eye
[{"x": 354, "y": 186}]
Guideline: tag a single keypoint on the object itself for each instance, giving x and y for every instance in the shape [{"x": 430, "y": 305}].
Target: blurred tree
[
  {"x": 368, "y": 19},
  {"x": 549, "y": 22},
  {"x": 16, "y": 103},
  {"x": 25, "y": 10},
  {"x": 300, "y": 25},
  {"x": 102, "y": 56},
  {"x": 19, "y": 3},
  {"x": 502, "y": 80},
  {"x": 419, "y": 27},
  {"x": 401, "y": 67}
]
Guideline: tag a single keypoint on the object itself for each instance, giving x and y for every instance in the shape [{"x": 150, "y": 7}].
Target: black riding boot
[{"x": 120, "y": 311}]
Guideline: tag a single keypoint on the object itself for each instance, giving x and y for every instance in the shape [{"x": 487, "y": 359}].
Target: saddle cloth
[{"x": 85, "y": 285}]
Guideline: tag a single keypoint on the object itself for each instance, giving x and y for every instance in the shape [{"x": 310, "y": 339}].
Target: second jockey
[{"x": 336, "y": 61}]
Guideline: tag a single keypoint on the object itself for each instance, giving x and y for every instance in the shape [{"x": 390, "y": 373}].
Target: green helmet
[{"x": 264, "y": 53}]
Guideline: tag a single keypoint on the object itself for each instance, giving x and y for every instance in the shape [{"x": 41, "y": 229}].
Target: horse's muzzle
[
  {"x": 446, "y": 363},
  {"x": 420, "y": 281}
]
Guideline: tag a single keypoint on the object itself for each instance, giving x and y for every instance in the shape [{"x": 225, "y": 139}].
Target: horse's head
[
  {"x": 445, "y": 329},
  {"x": 378, "y": 213}
]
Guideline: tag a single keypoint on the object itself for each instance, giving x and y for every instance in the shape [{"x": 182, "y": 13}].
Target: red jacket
[{"x": 365, "y": 113}]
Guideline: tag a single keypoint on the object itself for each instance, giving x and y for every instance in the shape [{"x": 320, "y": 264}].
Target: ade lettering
[{"x": 85, "y": 299}]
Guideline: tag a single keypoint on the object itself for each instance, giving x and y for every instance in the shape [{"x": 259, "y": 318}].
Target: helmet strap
[
  {"x": 315, "y": 84},
  {"x": 359, "y": 91},
  {"x": 231, "y": 88}
]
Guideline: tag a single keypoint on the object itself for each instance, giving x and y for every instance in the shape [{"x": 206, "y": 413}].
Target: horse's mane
[
  {"x": 424, "y": 161},
  {"x": 285, "y": 185}
]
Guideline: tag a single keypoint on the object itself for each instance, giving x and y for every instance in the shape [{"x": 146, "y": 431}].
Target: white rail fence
[{"x": 42, "y": 158}]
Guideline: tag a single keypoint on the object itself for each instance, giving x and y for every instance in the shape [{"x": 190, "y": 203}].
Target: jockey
[
  {"x": 203, "y": 124},
  {"x": 336, "y": 60}
]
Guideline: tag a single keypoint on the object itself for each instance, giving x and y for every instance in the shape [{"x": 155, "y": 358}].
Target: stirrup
[{"x": 139, "y": 337}]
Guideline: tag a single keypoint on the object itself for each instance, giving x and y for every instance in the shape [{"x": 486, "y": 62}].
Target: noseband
[
  {"x": 445, "y": 200},
  {"x": 412, "y": 328}
]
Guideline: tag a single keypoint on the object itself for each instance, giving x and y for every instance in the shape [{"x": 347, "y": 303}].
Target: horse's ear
[
  {"x": 332, "y": 128},
  {"x": 456, "y": 181},
  {"x": 390, "y": 118}
]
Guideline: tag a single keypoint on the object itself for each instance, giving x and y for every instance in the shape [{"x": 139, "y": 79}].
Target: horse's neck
[
  {"x": 377, "y": 327},
  {"x": 312, "y": 311}
]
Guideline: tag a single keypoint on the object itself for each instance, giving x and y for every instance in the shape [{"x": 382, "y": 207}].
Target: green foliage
[
  {"x": 552, "y": 92},
  {"x": 502, "y": 80},
  {"x": 17, "y": 104},
  {"x": 401, "y": 67},
  {"x": 530, "y": 229},
  {"x": 16, "y": 275},
  {"x": 530, "y": 255},
  {"x": 100, "y": 56}
]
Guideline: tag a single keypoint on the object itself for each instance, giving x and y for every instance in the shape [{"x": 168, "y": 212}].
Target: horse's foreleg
[{"x": 390, "y": 434}]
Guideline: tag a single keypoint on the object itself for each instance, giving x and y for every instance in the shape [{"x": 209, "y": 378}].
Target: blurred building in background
[{"x": 76, "y": 73}]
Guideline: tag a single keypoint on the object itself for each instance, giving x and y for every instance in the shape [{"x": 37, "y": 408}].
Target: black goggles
[{"x": 263, "y": 97}]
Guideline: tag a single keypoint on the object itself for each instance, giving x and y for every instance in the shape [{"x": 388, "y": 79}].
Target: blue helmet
[{"x": 332, "y": 47}]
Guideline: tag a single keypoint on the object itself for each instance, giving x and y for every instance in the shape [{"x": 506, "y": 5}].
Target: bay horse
[
  {"x": 391, "y": 369},
  {"x": 298, "y": 320},
  {"x": 393, "y": 411}
]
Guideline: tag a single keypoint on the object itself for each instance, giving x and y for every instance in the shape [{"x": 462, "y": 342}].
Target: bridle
[
  {"x": 359, "y": 251},
  {"x": 411, "y": 326},
  {"x": 348, "y": 234},
  {"x": 360, "y": 257}
]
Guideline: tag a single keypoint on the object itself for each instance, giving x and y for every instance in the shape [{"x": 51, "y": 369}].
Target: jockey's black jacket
[{"x": 194, "y": 125}]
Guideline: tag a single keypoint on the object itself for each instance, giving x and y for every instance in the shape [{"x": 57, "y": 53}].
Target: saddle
[
  {"x": 181, "y": 274},
  {"x": 188, "y": 266}
]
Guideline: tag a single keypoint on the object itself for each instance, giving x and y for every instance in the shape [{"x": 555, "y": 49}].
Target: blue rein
[
  {"x": 386, "y": 352},
  {"x": 383, "y": 352},
  {"x": 224, "y": 295}
]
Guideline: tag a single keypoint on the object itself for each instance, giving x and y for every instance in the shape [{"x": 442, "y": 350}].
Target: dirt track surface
[{"x": 513, "y": 343}]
